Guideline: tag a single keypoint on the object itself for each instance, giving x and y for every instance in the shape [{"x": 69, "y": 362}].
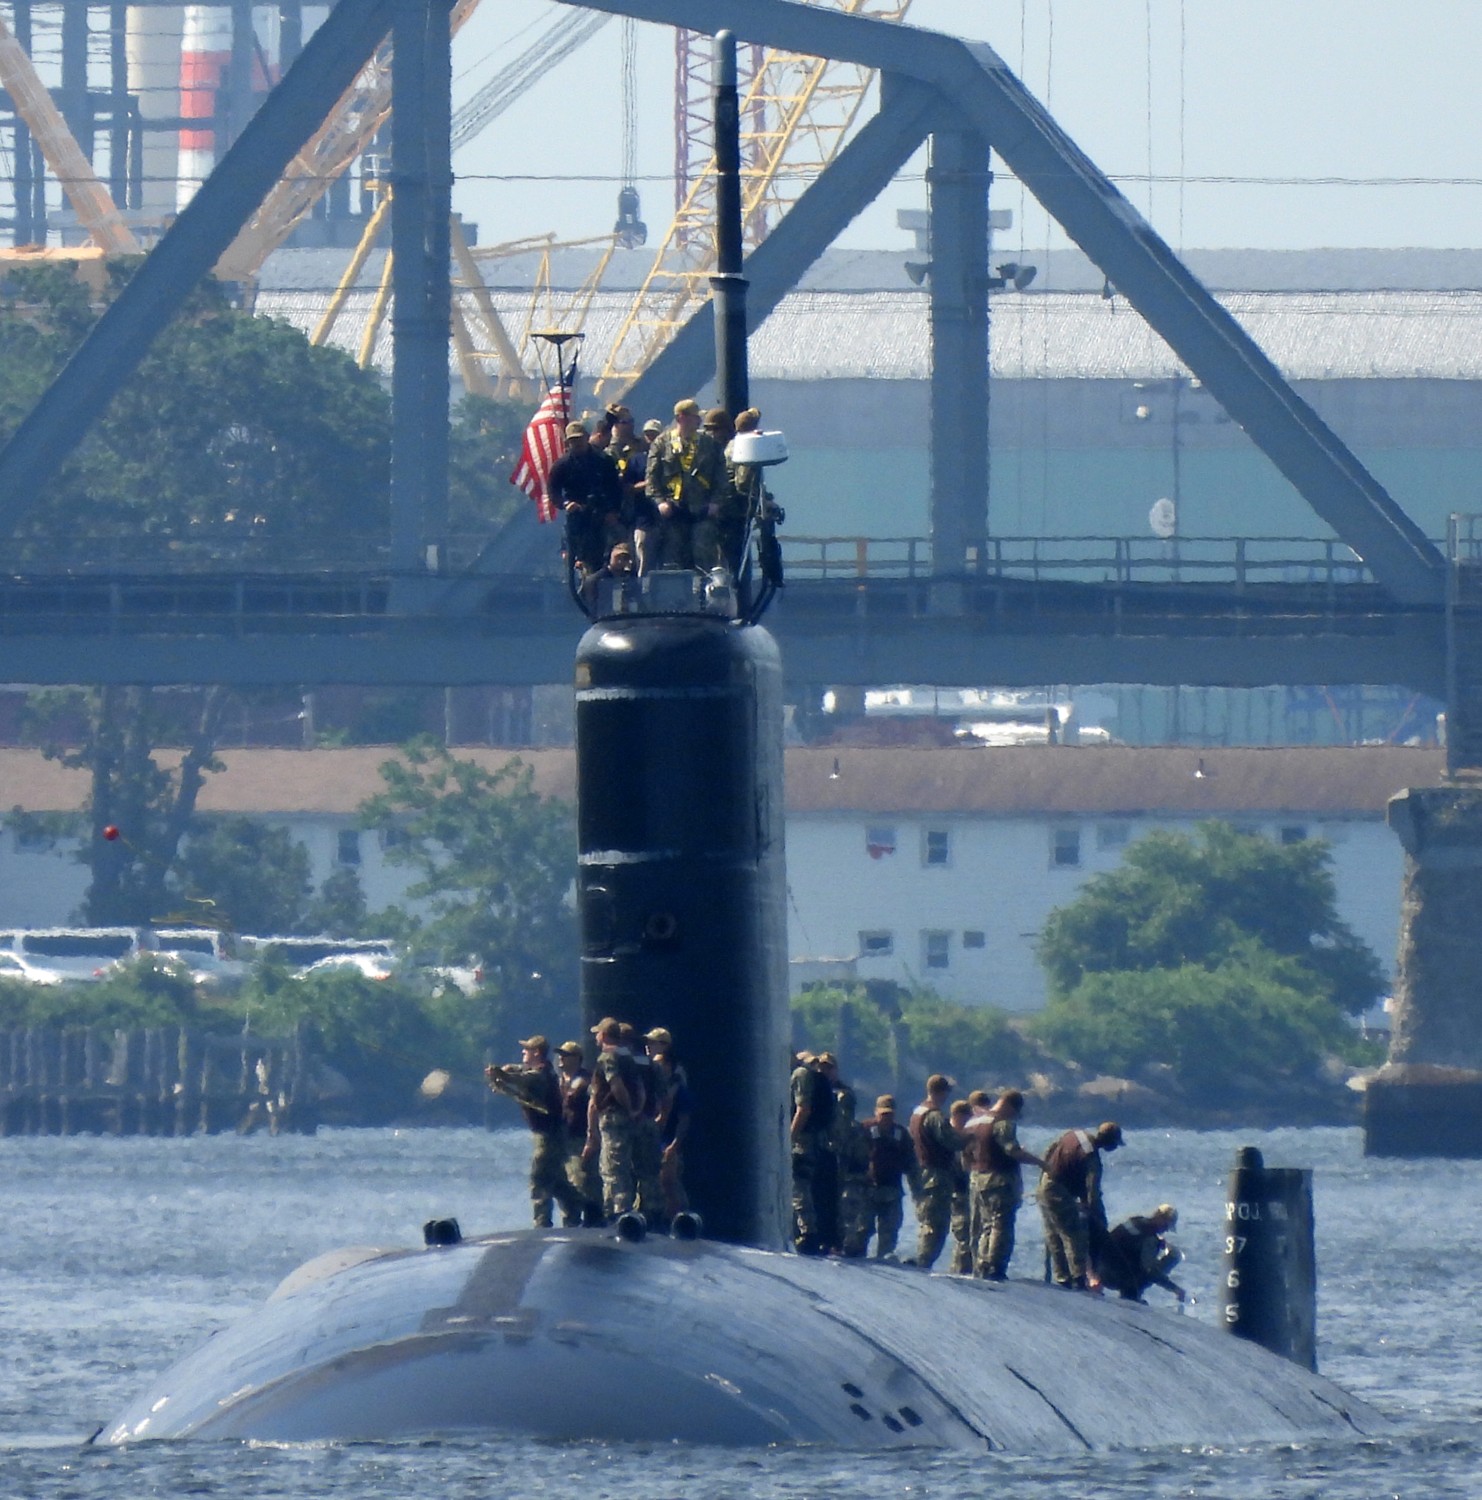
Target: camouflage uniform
[
  {"x": 962, "y": 1240},
  {"x": 647, "y": 1152},
  {"x": 937, "y": 1145},
  {"x": 691, "y": 475},
  {"x": 808, "y": 1089},
  {"x": 997, "y": 1194},
  {"x": 852, "y": 1149},
  {"x": 581, "y": 1174},
  {"x": 1070, "y": 1204},
  {"x": 538, "y": 1093},
  {"x": 891, "y": 1159},
  {"x": 615, "y": 1126}
]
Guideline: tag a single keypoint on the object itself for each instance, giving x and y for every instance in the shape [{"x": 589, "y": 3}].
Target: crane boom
[
  {"x": 570, "y": 30},
  {"x": 349, "y": 128},
  {"x": 796, "y": 113},
  {"x": 91, "y": 201}
]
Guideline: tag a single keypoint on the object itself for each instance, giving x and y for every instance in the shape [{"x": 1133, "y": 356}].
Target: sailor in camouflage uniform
[
  {"x": 962, "y": 1244},
  {"x": 617, "y": 1096},
  {"x": 937, "y": 1147},
  {"x": 533, "y": 1084},
  {"x": 852, "y": 1148},
  {"x": 575, "y": 1099}
]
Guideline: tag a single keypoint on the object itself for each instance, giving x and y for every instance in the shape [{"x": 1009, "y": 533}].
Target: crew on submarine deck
[{"x": 611, "y": 1140}]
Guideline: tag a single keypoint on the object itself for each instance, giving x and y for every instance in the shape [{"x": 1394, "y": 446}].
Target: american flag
[{"x": 545, "y": 442}]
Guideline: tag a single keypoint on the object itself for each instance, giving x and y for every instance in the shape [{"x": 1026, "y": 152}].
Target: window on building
[
  {"x": 971, "y": 939},
  {"x": 936, "y": 847},
  {"x": 1065, "y": 848},
  {"x": 876, "y": 944},
  {"x": 936, "y": 950},
  {"x": 879, "y": 840},
  {"x": 1293, "y": 833},
  {"x": 1112, "y": 835},
  {"x": 347, "y": 847},
  {"x": 395, "y": 837}
]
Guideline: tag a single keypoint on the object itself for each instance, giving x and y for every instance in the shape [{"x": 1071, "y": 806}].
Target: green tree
[
  {"x": 483, "y": 445},
  {"x": 1249, "y": 1018},
  {"x": 384, "y": 1035},
  {"x": 975, "y": 1042},
  {"x": 339, "y": 907},
  {"x": 1180, "y": 900},
  {"x": 254, "y": 875},
  {"x": 234, "y": 438},
  {"x": 494, "y": 862},
  {"x": 139, "y": 806}
]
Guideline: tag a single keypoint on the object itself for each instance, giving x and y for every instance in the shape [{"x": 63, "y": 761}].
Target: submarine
[{"x": 724, "y": 1336}]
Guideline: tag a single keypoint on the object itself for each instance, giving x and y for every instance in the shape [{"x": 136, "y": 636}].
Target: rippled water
[{"x": 117, "y": 1256}]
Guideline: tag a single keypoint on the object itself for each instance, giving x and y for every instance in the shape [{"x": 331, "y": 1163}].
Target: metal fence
[{"x": 1236, "y": 561}]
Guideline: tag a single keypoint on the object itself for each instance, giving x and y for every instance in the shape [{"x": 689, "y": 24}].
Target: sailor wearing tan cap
[
  {"x": 892, "y": 1163},
  {"x": 938, "y": 1147},
  {"x": 576, "y": 1097},
  {"x": 687, "y": 481},
  {"x": 533, "y": 1085},
  {"x": 617, "y": 1099}
]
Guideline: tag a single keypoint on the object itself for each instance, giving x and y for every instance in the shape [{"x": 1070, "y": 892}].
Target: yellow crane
[{"x": 796, "y": 113}]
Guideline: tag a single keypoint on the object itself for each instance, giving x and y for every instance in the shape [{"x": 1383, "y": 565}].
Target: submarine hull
[{"x": 563, "y": 1334}]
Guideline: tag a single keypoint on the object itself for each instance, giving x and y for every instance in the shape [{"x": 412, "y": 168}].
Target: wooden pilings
[{"x": 159, "y": 1080}]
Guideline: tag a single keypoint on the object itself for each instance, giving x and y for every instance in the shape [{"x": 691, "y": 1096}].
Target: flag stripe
[{"x": 545, "y": 441}]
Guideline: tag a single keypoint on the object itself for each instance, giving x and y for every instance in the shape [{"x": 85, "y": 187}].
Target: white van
[
  {"x": 376, "y": 958},
  {"x": 80, "y": 953},
  {"x": 209, "y": 954}
]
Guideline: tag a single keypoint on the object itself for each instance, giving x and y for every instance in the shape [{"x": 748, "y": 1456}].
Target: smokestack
[
  {"x": 153, "y": 48},
  {"x": 205, "y": 56}
]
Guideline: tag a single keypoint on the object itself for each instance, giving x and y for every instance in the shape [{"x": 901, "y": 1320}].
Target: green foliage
[
  {"x": 234, "y": 432},
  {"x": 494, "y": 862},
  {"x": 384, "y": 1035},
  {"x": 1254, "y": 1017},
  {"x": 112, "y": 733},
  {"x": 483, "y": 444},
  {"x": 843, "y": 1019},
  {"x": 255, "y": 874},
  {"x": 339, "y": 908},
  {"x": 972, "y": 1042},
  {"x": 1178, "y": 900},
  {"x": 151, "y": 991}
]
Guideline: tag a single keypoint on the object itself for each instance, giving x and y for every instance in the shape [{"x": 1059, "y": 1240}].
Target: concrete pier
[{"x": 1427, "y": 1099}]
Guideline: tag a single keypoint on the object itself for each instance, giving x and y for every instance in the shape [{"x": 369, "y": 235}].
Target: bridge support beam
[
  {"x": 1427, "y": 1099},
  {"x": 422, "y": 178},
  {"x": 957, "y": 181}
]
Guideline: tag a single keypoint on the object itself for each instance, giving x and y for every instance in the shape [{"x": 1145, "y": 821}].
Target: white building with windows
[{"x": 935, "y": 864}]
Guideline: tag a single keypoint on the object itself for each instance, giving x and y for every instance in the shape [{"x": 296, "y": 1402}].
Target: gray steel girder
[
  {"x": 976, "y": 83},
  {"x": 859, "y": 174},
  {"x": 187, "y": 251},
  {"x": 947, "y": 650}
]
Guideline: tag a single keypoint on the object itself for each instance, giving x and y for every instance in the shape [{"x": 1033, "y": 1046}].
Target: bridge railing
[{"x": 1236, "y": 561}]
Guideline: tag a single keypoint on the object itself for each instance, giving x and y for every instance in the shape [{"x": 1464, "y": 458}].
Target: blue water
[{"x": 118, "y": 1256}]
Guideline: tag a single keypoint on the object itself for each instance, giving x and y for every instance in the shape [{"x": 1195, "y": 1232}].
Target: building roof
[
  {"x": 1069, "y": 270},
  {"x": 1016, "y": 781},
  {"x": 1036, "y": 335}
]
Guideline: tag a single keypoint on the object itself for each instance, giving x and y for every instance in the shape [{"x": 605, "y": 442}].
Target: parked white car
[
  {"x": 375, "y": 957},
  {"x": 12, "y": 966}
]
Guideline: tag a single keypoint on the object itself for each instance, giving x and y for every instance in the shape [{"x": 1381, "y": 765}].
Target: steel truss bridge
[{"x": 958, "y": 611}]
